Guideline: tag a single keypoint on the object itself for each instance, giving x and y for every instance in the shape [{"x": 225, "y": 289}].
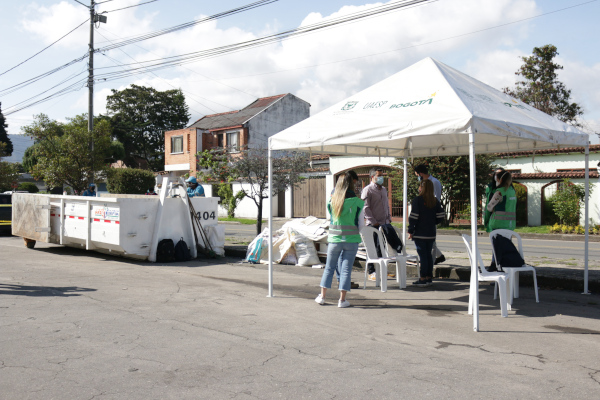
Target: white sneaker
[
  {"x": 343, "y": 304},
  {"x": 320, "y": 300}
]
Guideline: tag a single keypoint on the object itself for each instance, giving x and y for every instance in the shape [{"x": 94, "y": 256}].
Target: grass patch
[
  {"x": 533, "y": 229},
  {"x": 244, "y": 221}
]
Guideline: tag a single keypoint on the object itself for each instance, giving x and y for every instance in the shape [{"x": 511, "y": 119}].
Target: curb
[{"x": 542, "y": 236}]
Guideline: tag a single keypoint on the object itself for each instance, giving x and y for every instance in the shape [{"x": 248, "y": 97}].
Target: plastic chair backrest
[
  {"x": 507, "y": 233},
  {"x": 481, "y": 266},
  {"x": 367, "y": 236}
]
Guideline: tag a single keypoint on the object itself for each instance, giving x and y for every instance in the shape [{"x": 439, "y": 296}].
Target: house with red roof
[{"x": 249, "y": 127}]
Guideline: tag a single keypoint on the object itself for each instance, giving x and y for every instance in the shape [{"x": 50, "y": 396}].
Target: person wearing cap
[
  {"x": 194, "y": 189},
  {"x": 91, "y": 191}
]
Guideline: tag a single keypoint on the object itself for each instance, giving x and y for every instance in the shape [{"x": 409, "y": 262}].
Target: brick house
[{"x": 251, "y": 126}]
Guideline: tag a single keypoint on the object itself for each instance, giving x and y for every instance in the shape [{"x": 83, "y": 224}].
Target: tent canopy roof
[{"x": 427, "y": 109}]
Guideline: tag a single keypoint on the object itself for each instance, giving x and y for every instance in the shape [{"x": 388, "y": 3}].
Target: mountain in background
[{"x": 20, "y": 144}]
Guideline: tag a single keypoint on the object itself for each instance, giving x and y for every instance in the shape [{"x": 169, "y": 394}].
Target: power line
[
  {"x": 119, "y": 9},
  {"x": 131, "y": 73},
  {"x": 45, "y": 48},
  {"x": 167, "y": 62},
  {"x": 27, "y": 82},
  {"x": 186, "y": 25}
]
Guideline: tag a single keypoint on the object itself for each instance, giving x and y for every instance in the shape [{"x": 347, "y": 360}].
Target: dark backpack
[
  {"x": 165, "y": 251},
  {"x": 507, "y": 254},
  {"x": 182, "y": 251}
]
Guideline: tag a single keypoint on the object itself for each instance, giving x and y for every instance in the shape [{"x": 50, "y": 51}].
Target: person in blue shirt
[
  {"x": 91, "y": 191},
  {"x": 194, "y": 190}
]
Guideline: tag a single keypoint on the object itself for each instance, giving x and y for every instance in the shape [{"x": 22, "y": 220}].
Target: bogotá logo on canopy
[{"x": 349, "y": 105}]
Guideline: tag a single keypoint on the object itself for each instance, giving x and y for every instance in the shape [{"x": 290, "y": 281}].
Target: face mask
[
  {"x": 379, "y": 180},
  {"x": 419, "y": 178}
]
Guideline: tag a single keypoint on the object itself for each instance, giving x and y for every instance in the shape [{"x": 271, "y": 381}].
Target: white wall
[
  {"x": 339, "y": 163},
  {"x": 246, "y": 208}
]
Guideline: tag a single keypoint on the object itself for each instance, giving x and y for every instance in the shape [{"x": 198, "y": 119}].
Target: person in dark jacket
[{"x": 426, "y": 212}]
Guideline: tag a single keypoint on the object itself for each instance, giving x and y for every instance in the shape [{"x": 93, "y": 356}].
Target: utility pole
[{"x": 93, "y": 19}]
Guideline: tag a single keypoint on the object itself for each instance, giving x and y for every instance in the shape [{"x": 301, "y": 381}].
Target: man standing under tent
[
  {"x": 422, "y": 173},
  {"x": 377, "y": 214}
]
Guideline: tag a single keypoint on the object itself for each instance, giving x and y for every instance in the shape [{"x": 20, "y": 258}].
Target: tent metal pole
[
  {"x": 404, "y": 202},
  {"x": 587, "y": 218},
  {"x": 270, "y": 172},
  {"x": 474, "y": 289}
]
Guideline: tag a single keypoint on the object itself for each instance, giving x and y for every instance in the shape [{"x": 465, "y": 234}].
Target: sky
[{"x": 482, "y": 38}]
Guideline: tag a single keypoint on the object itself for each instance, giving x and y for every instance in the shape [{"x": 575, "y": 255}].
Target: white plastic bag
[
  {"x": 305, "y": 249},
  {"x": 216, "y": 238}
]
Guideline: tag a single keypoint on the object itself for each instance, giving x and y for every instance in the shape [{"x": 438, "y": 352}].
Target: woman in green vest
[
  {"x": 346, "y": 213},
  {"x": 501, "y": 209}
]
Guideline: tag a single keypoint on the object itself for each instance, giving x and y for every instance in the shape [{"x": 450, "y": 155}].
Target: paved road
[
  {"x": 82, "y": 325},
  {"x": 555, "y": 249}
]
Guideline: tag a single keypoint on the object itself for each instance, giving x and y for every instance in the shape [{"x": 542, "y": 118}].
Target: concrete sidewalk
[{"x": 82, "y": 325}]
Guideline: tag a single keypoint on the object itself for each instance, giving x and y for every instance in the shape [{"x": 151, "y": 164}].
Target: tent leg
[
  {"x": 404, "y": 202},
  {"x": 474, "y": 289},
  {"x": 270, "y": 172},
  {"x": 587, "y": 218}
]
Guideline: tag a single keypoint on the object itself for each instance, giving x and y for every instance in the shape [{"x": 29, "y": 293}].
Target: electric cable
[{"x": 45, "y": 48}]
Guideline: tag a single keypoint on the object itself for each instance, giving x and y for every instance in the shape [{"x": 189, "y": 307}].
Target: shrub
[
  {"x": 580, "y": 230},
  {"x": 129, "y": 180},
  {"x": 228, "y": 200},
  {"x": 29, "y": 187},
  {"x": 566, "y": 202},
  {"x": 556, "y": 228}
]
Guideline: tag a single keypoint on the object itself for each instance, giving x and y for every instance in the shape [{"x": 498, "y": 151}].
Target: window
[
  {"x": 220, "y": 140},
  {"x": 176, "y": 144},
  {"x": 233, "y": 141}
]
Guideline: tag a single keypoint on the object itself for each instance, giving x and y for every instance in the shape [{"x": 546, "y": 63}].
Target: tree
[
  {"x": 251, "y": 166},
  {"x": 62, "y": 154},
  {"x": 453, "y": 173},
  {"x": 541, "y": 88},
  {"x": 139, "y": 117},
  {"x": 215, "y": 168},
  {"x": 9, "y": 173},
  {"x": 4, "y": 135}
]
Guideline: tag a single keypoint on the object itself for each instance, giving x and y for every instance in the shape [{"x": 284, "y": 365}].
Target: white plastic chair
[
  {"x": 514, "y": 272},
  {"x": 401, "y": 259},
  {"x": 381, "y": 263},
  {"x": 501, "y": 279}
]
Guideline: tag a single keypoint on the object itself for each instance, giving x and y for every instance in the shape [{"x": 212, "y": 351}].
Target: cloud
[
  {"x": 52, "y": 22},
  {"x": 496, "y": 68}
]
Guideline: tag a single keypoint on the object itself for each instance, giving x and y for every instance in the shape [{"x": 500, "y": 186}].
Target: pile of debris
[{"x": 298, "y": 242}]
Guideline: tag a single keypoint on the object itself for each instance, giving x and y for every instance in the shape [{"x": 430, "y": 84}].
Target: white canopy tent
[{"x": 428, "y": 110}]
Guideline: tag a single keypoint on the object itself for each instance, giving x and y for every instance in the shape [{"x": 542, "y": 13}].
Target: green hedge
[
  {"x": 29, "y": 187},
  {"x": 129, "y": 180}
]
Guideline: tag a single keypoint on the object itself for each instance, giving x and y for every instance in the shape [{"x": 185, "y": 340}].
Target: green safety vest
[
  {"x": 345, "y": 227},
  {"x": 505, "y": 212}
]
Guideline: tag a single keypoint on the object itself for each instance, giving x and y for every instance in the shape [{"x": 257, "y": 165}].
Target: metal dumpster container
[{"x": 127, "y": 225}]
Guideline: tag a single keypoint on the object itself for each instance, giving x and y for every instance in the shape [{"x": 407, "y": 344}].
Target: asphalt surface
[{"x": 82, "y": 325}]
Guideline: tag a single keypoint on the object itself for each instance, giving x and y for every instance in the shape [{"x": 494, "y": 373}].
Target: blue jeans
[
  {"x": 346, "y": 252},
  {"x": 424, "y": 247}
]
